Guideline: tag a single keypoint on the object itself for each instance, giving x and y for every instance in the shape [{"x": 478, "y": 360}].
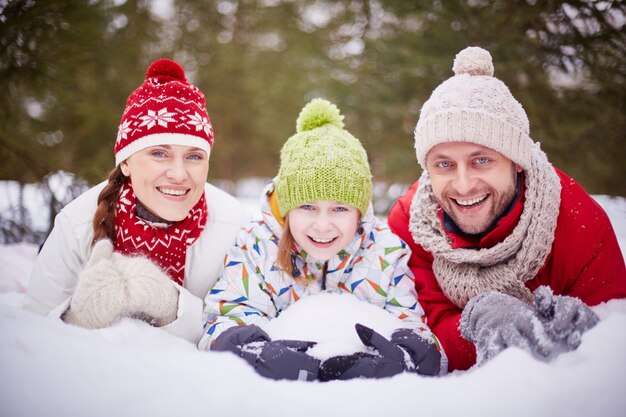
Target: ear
[
  {"x": 518, "y": 169},
  {"x": 125, "y": 169}
]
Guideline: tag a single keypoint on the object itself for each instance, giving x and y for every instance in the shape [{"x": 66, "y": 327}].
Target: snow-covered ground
[{"x": 49, "y": 368}]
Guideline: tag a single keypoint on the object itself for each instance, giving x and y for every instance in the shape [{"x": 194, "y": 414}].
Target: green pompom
[{"x": 318, "y": 112}]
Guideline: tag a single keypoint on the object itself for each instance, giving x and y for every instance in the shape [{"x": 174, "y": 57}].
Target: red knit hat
[{"x": 164, "y": 110}]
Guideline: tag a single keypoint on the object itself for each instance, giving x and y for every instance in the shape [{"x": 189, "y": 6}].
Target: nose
[
  {"x": 463, "y": 182},
  {"x": 323, "y": 222},
  {"x": 176, "y": 171}
]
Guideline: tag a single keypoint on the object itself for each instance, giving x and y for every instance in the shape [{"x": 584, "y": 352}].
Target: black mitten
[
  {"x": 235, "y": 338},
  {"x": 424, "y": 353},
  {"x": 279, "y": 359},
  {"x": 287, "y": 359},
  {"x": 358, "y": 365}
]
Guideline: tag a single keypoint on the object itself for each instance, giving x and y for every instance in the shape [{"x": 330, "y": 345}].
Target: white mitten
[{"x": 113, "y": 286}]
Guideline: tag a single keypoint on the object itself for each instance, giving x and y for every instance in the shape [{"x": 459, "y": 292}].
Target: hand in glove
[
  {"x": 113, "y": 286},
  {"x": 358, "y": 365},
  {"x": 565, "y": 319},
  {"x": 494, "y": 321},
  {"x": 235, "y": 338},
  {"x": 424, "y": 353},
  {"x": 278, "y": 359},
  {"x": 406, "y": 351}
]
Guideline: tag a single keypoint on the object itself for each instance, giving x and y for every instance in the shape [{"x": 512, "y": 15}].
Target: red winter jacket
[{"x": 585, "y": 262}]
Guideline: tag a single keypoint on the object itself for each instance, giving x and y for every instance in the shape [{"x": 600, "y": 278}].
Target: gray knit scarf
[{"x": 464, "y": 273}]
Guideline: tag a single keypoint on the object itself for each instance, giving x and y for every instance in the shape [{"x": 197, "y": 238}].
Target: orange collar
[{"x": 275, "y": 209}]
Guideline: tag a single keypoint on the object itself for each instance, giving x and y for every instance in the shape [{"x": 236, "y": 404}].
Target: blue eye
[
  {"x": 482, "y": 160},
  {"x": 196, "y": 157},
  {"x": 444, "y": 164},
  {"x": 158, "y": 154},
  {"x": 307, "y": 207},
  {"x": 340, "y": 209}
]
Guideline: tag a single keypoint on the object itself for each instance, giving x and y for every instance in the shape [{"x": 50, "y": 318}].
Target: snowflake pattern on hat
[
  {"x": 162, "y": 117},
  {"x": 201, "y": 123},
  {"x": 164, "y": 110}
]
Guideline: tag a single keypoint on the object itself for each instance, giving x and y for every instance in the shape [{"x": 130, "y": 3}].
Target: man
[{"x": 507, "y": 250}]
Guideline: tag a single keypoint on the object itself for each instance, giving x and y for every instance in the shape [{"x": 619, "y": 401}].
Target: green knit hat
[{"x": 322, "y": 161}]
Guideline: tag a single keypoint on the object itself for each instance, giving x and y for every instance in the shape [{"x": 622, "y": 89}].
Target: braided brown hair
[{"x": 104, "y": 218}]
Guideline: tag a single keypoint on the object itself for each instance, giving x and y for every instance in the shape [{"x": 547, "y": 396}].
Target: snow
[
  {"x": 49, "y": 368},
  {"x": 329, "y": 320}
]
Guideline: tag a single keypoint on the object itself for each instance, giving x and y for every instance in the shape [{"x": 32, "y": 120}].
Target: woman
[
  {"x": 318, "y": 234},
  {"x": 150, "y": 241}
]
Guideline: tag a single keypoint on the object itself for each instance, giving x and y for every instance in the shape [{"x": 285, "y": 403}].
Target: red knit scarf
[{"x": 167, "y": 247}]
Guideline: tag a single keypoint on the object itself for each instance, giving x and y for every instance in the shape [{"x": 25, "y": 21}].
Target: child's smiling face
[{"x": 323, "y": 228}]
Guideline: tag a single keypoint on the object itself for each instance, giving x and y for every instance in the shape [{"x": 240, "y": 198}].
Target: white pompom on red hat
[
  {"x": 474, "y": 106},
  {"x": 164, "y": 110}
]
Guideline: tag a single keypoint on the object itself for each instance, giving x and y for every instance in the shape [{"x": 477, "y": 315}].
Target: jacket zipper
[{"x": 295, "y": 272}]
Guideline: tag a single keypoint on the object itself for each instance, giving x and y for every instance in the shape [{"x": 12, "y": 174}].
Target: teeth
[
  {"x": 172, "y": 192},
  {"x": 471, "y": 201},
  {"x": 323, "y": 240}
]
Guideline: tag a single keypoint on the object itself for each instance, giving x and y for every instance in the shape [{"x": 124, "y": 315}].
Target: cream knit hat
[{"x": 474, "y": 106}]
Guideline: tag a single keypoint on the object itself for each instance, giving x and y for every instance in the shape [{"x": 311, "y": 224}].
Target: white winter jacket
[{"x": 67, "y": 249}]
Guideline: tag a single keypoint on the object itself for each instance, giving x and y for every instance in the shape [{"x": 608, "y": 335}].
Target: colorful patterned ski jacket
[
  {"x": 251, "y": 289},
  {"x": 585, "y": 262}
]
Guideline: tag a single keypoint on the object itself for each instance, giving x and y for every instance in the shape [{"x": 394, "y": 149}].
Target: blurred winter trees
[{"x": 67, "y": 67}]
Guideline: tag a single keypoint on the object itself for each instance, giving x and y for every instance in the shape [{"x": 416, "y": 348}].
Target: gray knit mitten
[
  {"x": 494, "y": 321},
  {"x": 564, "y": 318},
  {"x": 113, "y": 286}
]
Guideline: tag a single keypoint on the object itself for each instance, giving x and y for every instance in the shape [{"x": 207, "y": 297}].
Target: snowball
[{"x": 329, "y": 320}]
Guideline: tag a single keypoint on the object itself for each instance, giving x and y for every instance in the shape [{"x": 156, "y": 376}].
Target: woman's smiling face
[{"x": 168, "y": 180}]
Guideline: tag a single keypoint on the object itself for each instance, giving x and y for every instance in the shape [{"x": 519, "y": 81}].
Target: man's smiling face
[{"x": 473, "y": 184}]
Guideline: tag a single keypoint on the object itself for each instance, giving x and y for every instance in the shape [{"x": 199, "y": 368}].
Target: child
[{"x": 318, "y": 233}]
